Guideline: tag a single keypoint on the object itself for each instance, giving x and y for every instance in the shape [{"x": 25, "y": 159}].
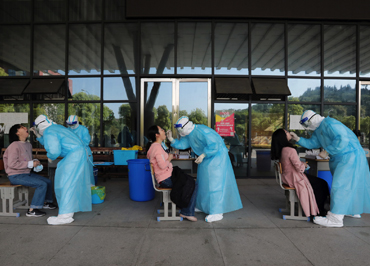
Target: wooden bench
[{"x": 8, "y": 192}]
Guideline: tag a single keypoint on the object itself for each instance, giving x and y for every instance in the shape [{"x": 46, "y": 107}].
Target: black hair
[
  {"x": 279, "y": 141},
  {"x": 13, "y": 133},
  {"x": 151, "y": 135}
]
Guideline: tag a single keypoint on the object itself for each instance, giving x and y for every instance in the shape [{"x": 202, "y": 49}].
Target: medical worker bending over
[
  {"x": 217, "y": 189},
  {"x": 83, "y": 133},
  {"x": 350, "y": 191},
  {"x": 72, "y": 180}
]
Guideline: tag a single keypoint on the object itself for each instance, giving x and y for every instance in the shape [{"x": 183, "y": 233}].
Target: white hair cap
[
  {"x": 184, "y": 126},
  {"x": 72, "y": 121},
  {"x": 310, "y": 120},
  {"x": 42, "y": 122}
]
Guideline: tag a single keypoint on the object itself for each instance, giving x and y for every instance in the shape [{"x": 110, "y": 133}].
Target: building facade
[{"x": 122, "y": 66}]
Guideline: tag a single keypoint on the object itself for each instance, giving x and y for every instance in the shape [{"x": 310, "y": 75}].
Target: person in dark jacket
[{"x": 169, "y": 177}]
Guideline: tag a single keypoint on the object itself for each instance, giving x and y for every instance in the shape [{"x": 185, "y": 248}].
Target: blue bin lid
[{"x": 138, "y": 161}]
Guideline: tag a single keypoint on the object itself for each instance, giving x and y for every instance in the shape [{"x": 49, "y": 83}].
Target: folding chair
[
  {"x": 166, "y": 200},
  {"x": 291, "y": 198}
]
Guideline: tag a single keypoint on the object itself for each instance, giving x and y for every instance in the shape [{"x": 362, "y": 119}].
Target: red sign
[{"x": 226, "y": 127}]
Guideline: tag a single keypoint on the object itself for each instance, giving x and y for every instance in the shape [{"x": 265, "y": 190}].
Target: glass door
[{"x": 163, "y": 101}]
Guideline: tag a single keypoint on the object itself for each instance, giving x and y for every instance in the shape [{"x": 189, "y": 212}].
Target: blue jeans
[
  {"x": 188, "y": 211},
  {"x": 44, "y": 189}
]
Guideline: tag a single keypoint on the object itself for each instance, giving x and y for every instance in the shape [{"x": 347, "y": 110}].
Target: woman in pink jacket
[
  {"x": 312, "y": 191},
  {"x": 162, "y": 167}
]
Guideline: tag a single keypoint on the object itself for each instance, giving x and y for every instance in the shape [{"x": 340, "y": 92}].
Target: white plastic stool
[{"x": 8, "y": 192}]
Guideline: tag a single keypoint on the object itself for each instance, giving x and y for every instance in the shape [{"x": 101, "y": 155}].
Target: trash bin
[
  {"x": 140, "y": 180},
  {"x": 95, "y": 175},
  {"x": 97, "y": 195}
]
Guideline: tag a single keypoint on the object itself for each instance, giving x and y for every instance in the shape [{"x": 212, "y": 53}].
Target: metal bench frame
[{"x": 8, "y": 192}]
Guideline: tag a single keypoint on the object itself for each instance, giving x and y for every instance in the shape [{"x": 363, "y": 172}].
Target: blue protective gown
[
  {"x": 350, "y": 191},
  {"x": 72, "y": 180},
  {"x": 83, "y": 133},
  {"x": 217, "y": 188}
]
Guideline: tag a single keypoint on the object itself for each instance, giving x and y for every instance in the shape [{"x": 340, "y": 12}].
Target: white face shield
[
  {"x": 184, "y": 126},
  {"x": 310, "y": 120},
  {"x": 72, "y": 122},
  {"x": 41, "y": 123}
]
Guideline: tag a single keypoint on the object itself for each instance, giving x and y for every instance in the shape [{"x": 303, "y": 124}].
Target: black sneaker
[
  {"x": 49, "y": 205},
  {"x": 35, "y": 213}
]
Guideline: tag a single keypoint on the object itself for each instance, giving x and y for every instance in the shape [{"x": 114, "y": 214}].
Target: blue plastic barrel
[
  {"x": 140, "y": 180},
  {"x": 326, "y": 175}
]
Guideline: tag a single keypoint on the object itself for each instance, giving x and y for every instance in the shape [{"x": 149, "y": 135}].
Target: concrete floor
[{"x": 123, "y": 232}]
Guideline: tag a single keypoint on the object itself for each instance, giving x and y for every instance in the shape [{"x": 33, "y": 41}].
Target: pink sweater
[
  {"x": 159, "y": 158},
  {"x": 293, "y": 175},
  {"x": 16, "y": 158}
]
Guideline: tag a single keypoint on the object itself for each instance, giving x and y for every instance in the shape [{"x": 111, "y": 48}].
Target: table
[{"x": 184, "y": 164}]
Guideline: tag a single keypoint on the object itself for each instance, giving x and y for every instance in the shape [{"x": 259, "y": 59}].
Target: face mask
[
  {"x": 308, "y": 167},
  {"x": 38, "y": 168}
]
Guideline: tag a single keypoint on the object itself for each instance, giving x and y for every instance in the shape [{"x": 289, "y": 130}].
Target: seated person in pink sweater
[
  {"x": 162, "y": 167},
  {"x": 18, "y": 165},
  {"x": 311, "y": 190}
]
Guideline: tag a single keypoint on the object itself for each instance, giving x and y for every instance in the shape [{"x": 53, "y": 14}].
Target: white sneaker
[
  {"x": 331, "y": 220},
  {"x": 197, "y": 210},
  {"x": 214, "y": 217},
  {"x": 358, "y": 216}
]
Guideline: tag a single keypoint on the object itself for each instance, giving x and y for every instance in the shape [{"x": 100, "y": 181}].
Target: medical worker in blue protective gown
[
  {"x": 83, "y": 133},
  {"x": 72, "y": 180},
  {"x": 350, "y": 191},
  {"x": 217, "y": 189}
]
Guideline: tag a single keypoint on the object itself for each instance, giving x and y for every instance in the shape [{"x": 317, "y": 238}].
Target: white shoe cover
[
  {"x": 214, "y": 217},
  {"x": 61, "y": 219},
  {"x": 197, "y": 210},
  {"x": 358, "y": 216},
  {"x": 331, "y": 220}
]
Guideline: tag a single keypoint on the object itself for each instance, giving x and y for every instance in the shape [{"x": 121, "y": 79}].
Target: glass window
[
  {"x": 231, "y": 122},
  {"x": 266, "y": 118},
  {"x": 115, "y": 9},
  {"x": 15, "y": 50},
  {"x": 15, "y": 11},
  {"x": 344, "y": 113},
  {"x": 304, "y": 50},
  {"x": 267, "y": 49},
  {"x": 89, "y": 116},
  {"x": 157, "y": 48},
  {"x": 231, "y": 48},
  {"x": 122, "y": 88},
  {"x": 340, "y": 50},
  {"x": 46, "y": 11},
  {"x": 194, "y": 47},
  {"x": 11, "y": 114},
  {"x": 84, "y": 49},
  {"x": 364, "y": 51},
  {"x": 365, "y": 117},
  {"x": 338, "y": 90},
  {"x": 85, "y": 89},
  {"x": 49, "y": 50},
  {"x": 304, "y": 90},
  {"x": 119, "y": 48},
  {"x": 119, "y": 125},
  {"x": 80, "y": 10}
]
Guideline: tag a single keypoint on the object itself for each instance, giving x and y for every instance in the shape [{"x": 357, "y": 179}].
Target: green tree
[
  {"x": 163, "y": 117},
  {"x": 198, "y": 116}
]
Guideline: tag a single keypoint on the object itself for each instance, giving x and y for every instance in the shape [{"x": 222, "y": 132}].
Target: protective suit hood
[
  {"x": 184, "y": 126},
  {"x": 310, "y": 120},
  {"x": 42, "y": 122},
  {"x": 72, "y": 121}
]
